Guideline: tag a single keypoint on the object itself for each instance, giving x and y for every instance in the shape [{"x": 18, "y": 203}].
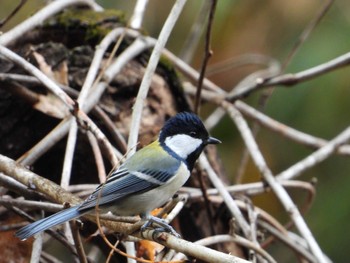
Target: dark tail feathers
[{"x": 48, "y": 222}]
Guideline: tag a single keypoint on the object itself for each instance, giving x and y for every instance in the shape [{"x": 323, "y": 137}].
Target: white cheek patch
[{"x": 182, "y": 144}]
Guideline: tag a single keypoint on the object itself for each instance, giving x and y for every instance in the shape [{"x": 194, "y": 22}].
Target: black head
[{"x": 185, "y": 136}]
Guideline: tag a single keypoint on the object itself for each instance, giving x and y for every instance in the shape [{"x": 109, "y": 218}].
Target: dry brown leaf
[
  {"x": 43, "y": 66},
  {"x": 50, "y": 105}
]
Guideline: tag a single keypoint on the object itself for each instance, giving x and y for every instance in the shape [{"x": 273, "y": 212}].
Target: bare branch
[
  {"x": 78, "y": 242},
  {"x": 14, "y": 11},
  {"x": 293, "y": 79},
  {"x": 146, "y": 81},
  {"x": 139, "y": 12},
  {"x": 238, "y": 240},
  {"x": 38, "y": 18},
  {"x": 280, "y": 192},
  {"x": 225, "y": 195},
  {"x": 188, "y": 248},
  {"x": 317, "y": 157},
  {"x": 207, "y": 54}
]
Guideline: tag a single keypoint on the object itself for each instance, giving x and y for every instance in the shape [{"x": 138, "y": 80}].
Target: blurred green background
[{"x": 319, "y": 107}]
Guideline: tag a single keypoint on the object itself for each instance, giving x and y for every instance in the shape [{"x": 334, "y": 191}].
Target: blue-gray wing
[
  {"x": 123, "y": 183},
  {"x": 131, "y": 179}
]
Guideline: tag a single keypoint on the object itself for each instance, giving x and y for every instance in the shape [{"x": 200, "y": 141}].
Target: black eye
[{"x": 193, "y": 133}]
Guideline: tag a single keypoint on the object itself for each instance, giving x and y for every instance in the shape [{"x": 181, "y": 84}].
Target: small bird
[{"x": 146, "y": 180}]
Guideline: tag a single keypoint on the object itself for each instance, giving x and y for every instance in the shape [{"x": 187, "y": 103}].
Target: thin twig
[
  {"x": 151, "y": 67},
  {"x": 110, "y": 245},
  {"x": 286, "y": 131},
  {"x": 315, "y": 158},
  {"x": 192, "y": 74},
  {"x": 38, "y": 18},
  {"x": 307, "y": 31},
  {"x": 207, "y": 55},
  {"x": 77, "y": 242},
  {"x": 280, "y": 192},
  {"x": 93, "y": 98},
  {"x": 191, "y": 43},
  {"x": 14, "y": 11},
  {"x": 290, "y": 79},
  {"x": 238, "y": 240},
  {"x": 264, "y": 97},
  {"x": 252, "y": 217},
  {"x": 36, "y": 249},
  {"x": 138, "y": 14},
  {"x": 111, "y": 252},
  {"x": 230, "y": 203},
  {"x": 69, "y": 154},
  {"x": 304, "y": 209},
  {"x": 88, "y": 83},
  {"x": 13, "y": 185},
  {"x": 191, "y": 249},
  {"x": 268, "y": 122},
  {"x": 116, "y": 135},
  {"x": 130, "y": 250},
  {"x": 50, "y": 84},
  {"x": 172, "y": 208},
  {"x": 284, "y": 239},
  {"x": 31, "y": 204},
  {"x": 95, "y": 65},
  {"x": 46, "y": 143},
  {"x": 207, "y": 206},
  {"x": 101, "y": 171}
]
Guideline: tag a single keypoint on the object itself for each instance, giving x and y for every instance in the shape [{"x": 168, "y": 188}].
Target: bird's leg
[{"x": 164, "y": 226}]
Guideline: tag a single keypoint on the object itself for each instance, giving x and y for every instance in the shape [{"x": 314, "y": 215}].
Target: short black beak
[{"x": 212, "y": 140}]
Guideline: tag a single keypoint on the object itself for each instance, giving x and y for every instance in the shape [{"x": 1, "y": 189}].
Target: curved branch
[
  {"x": 292, "y": 79},
  {"x": 45, "y": 13},
  {"x": 192, "y": 249}
]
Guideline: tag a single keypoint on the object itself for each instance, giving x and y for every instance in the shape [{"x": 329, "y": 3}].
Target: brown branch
[
  {"x": 14, "y": 11},
  {"x": 207, "y": 54},
  {"x": 77, "y": 242}
]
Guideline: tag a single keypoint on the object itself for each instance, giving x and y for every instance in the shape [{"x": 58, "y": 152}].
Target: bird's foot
[{"x": 162, "y": 226}]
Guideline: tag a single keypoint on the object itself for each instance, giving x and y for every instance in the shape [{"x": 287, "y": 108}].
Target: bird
[{"x": 145, "y": 181}]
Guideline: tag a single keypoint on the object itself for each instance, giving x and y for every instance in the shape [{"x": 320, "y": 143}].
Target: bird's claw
[{"x": 163, "y": 226}]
